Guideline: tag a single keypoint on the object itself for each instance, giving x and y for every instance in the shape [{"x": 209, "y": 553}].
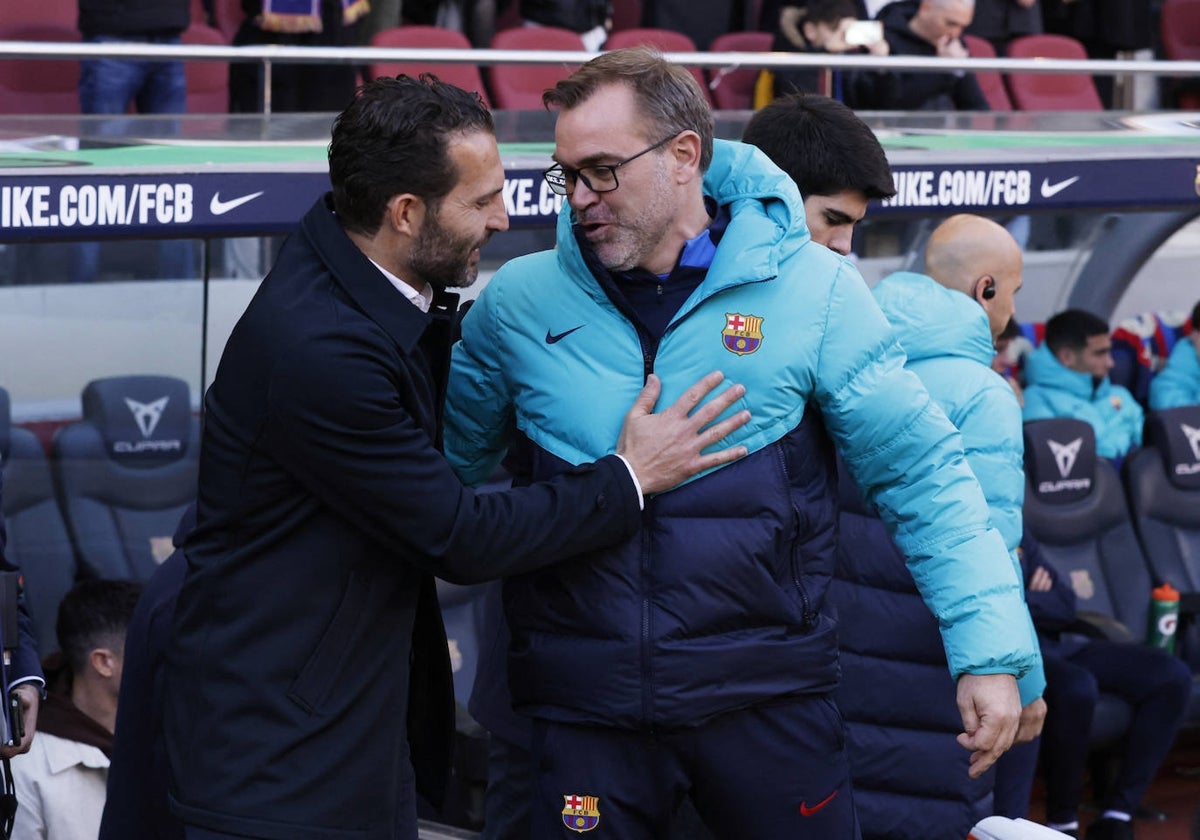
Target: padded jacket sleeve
[{"x": 909, "y": 460}]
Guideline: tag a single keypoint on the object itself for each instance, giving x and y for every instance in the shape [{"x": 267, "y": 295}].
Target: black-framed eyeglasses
[{"x": 600, "y": 178}]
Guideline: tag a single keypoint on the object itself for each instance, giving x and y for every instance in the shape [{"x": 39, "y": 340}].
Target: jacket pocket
[{"x": 311, "y": 688}]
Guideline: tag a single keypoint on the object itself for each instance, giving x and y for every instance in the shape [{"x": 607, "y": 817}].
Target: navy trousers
[
  {"x": 760, "y": 774},
  {"x": 1157, "y": 686}
]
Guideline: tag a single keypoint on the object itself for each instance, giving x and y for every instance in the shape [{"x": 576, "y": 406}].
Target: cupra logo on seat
[
  {"x": 147, "y": 415},
  {"x": 1065, "y": 454},
  {"x": 1193, "y": 439}
]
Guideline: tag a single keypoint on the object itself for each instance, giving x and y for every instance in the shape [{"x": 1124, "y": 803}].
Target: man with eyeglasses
[{"x": 698, "y": 657}]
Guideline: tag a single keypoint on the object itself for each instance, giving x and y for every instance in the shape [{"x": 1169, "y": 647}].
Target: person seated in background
[
  {"x": 1178, "y": 383},
  {"x": 999, "y": 21},
  {"x": 1154, "y": 683},
  {"x": 821, "y": 26},
  {"x": 1067, "y": 376},
  {"x": 297, "y": 87},
  {"x": 60, "y": 785},
  {"x": 832, "y": 155},
  {"x": 1009, "y": 357},
  {"x": 925, "y": 28}
]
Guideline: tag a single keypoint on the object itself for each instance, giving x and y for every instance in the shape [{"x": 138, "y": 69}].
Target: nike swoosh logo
[
  {"x": 219, "y": 208},
  {"x": 805, "y": 811},
  {"x": 554, "y": 339},
  {"x": 1050, "y": 190}
]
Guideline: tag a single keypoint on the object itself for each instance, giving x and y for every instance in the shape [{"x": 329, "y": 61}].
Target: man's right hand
[{"x": 664, "y": 449}]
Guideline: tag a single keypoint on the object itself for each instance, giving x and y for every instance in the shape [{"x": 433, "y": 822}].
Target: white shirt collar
[{"x": 422, "y": 299}]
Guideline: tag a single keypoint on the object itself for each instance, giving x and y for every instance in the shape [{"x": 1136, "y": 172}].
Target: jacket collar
[{"x": 366, "y": 286}]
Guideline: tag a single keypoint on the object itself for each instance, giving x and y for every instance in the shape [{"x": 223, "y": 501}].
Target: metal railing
[{"x": 268, "y": 54}]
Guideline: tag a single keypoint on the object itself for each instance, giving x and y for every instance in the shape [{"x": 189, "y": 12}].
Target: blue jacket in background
[
  {"x": 719, "y": 602},
  {"x": 1054, "y": 390},
  {"x": 887, "y": 634},
  {"x": 1178, "y": 383}
]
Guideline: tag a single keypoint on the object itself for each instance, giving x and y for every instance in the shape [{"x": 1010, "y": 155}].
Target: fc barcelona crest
[
  {"x": 742, "y": 333},
  {"x": 581, "y": 813}
]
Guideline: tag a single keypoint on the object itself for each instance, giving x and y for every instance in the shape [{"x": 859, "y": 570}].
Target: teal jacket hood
[
  {"x": 1043, "y": 368},
  {"x": 933, "y": 321}
]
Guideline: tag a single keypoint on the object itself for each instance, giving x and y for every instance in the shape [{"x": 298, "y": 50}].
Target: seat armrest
[{"x": 1099, "y": 626}]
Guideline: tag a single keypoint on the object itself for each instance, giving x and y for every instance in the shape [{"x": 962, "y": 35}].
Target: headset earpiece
[{"x": 989, "y": 289}]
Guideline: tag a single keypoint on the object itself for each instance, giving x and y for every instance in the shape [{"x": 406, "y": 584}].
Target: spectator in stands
[
  {"x": 590, "y": 18},
  {"x": 832, "y": 156},
  {"x": 24, "y": 673},
  {"x": 322, "y": 484},
  {"x": 999, "y": 21},
  {"x": 1156, "y": 685},
  {"x": 297, "y": 87},
  {"x": 947, "y": 320},
  {"x": 137, "y": 804},
  {"x": 1105, "y": 28},
  {"x": 1068, "y": 377},
  {"x": 113, "y": 85},
  {"x": 821, "y": 27},
  {"x": 1178, "y": 383},
  {"x": 925, "y": 28},
  {"x": 60, "y": 785},
  {"x": 666, "y": 229}
]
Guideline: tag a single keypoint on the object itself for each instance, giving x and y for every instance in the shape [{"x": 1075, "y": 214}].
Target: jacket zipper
[{"x": 794, "y": 563}]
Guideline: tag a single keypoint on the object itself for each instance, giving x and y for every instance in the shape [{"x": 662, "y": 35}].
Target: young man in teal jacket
[
  {"x": 1068, "y": 377},
  {"x": 697, "y": 657},
  {"x": 1178, "y": 383}
]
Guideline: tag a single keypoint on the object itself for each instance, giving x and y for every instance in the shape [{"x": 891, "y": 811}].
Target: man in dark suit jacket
[{"x": 308, "y": 684}]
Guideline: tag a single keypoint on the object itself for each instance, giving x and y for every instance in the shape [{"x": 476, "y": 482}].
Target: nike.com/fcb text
[
  {"x": 970, "y": 188},
  {"x": 98, "y": 205}
]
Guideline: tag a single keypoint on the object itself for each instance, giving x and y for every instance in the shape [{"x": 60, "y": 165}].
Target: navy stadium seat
[
  {"x": 126, "y": 472},
  {"x": 1164, "y": 490},
  {"x": 37, "y": 536},
  {"x": 1076, "y": 507}
]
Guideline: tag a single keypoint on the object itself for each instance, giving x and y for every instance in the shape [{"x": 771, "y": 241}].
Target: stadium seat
[
  {"x": 46, "y": 13},
  {"x": 466, "y": 76},
  {"x": 519, "y": 87},
  {"x": 1164, "y": 491},
  {"x": 665, "y": 40},
  {"x": 732, "y": 88},
  {"x": 1051, "y": 91},
  {"x": 126, "y": 472},
  {"x": 626, "y": 14},
  {"x": 1141, "y": 346},
  {"x": 228, "y": 15},
  {"x": 207, "y": 81},
  {"x": 1075, "y": 507},
  {"x": 37, "y": 86},
  {"x": 990, "y": 81},
  {"x": 1179, "y": 23},
  {"x": 37, "y": 535}
]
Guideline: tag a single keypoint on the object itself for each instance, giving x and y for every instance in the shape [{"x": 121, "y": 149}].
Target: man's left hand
[{"x": 990, "y": 706}]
